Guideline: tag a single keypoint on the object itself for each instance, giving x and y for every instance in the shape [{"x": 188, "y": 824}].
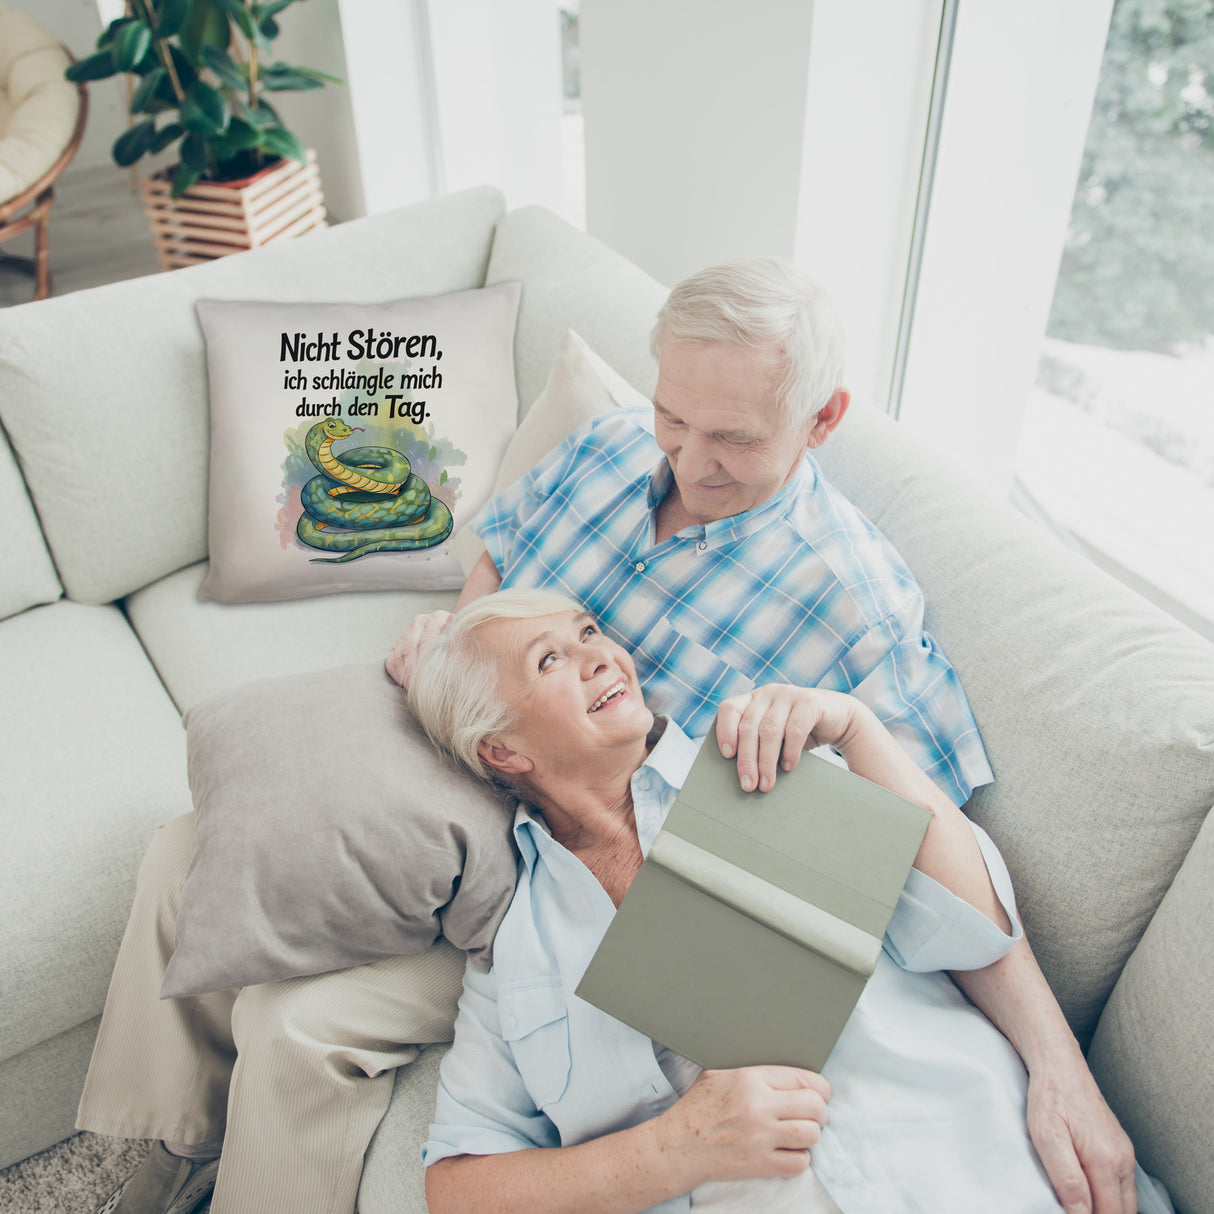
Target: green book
[{"x": 755, "y": 921}]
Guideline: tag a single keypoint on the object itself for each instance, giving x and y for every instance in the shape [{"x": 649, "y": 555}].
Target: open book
[{"x": 755, "y": 921}]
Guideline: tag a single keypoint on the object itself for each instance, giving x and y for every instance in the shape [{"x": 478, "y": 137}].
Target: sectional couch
[{"x": 1097, "y": 711}]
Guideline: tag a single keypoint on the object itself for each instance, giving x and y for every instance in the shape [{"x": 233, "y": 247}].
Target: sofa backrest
[
  {"x": 104, "y": 393},
  {"x": 29, "y": 574}
]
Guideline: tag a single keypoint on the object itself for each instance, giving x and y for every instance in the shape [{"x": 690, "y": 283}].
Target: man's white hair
[
  {"x": 454, "y": 691},
  {"x": 763, "y": 303}
]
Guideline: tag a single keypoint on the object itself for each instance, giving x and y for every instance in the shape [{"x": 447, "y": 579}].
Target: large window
[{"x": 1117, "y": 444}]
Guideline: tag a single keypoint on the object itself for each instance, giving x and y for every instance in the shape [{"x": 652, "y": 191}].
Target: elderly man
[{"x": 705, "y": 539}]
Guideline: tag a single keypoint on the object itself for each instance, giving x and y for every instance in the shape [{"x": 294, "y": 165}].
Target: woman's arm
[
  {"x": 769, "y": 727},
  {"x": 730, "y": 1125}
]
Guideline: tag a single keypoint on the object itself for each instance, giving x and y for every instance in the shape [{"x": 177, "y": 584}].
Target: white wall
[{"x": 694, "y": 126}]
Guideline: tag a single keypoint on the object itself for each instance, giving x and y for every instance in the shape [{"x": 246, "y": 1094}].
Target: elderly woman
[{"x": 547, "y": 1103}]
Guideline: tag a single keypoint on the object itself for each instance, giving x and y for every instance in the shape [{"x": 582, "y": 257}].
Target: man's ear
[
  {"x": 501, "y": 758},
  {"x": 829, "y": 416}
]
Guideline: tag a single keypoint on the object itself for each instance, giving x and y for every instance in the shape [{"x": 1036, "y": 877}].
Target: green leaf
[
  {"x": 239, "y": 137},
  {"x": 132, "y": 144},
  {"x": 166, "y": 135},
  {"x": 194, "y": 153},
  {"x": 442, "y": 477},
  {"x": 96, "y": 67},
  {"x": 130, "y": 45},
  {"x": 144, "y": 97},
  {"x": 262, "y": 118},
  {"x": 268, "y": 28},
  {"x": 225, "y": 67},
  {"x": 171, "y": 16},
  {"x": 106, "y": 39},
  {"x": 187, "y": 73},
  {"x": 279, "y": 77},
  {"x": 203, "y": 111},
  {"x": 183, "y": 178},
  {"x": 281, "y": 142},
  {"x": 205, "y": 26}
]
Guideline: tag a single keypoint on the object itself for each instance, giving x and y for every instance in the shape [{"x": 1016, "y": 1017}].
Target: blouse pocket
[{"x": 535, "y": 1023}]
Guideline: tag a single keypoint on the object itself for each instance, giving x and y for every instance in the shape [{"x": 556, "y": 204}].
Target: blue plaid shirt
[{"x": 802, "y": 589}]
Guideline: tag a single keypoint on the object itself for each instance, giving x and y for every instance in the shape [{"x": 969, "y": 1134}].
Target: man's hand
[
  {"x": 770, "y": 727},
  {"x": 400, "y": 661},
  {"x": 1087, "y": 1155},
  {"x": 749, "y": 1122}
]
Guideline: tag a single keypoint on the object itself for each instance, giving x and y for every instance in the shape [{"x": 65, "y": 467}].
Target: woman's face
[{"x": 573, "y": 692}]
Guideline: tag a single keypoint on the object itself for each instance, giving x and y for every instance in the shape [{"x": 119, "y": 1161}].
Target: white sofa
[{"x": 1097, "y": 711}]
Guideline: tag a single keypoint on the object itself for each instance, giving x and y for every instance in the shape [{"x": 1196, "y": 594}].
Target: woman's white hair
[
  {"x": 763, "y": 303},
  {"x": 454, "y": 691}
]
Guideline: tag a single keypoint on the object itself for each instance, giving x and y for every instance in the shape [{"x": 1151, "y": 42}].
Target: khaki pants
[{"x": 293, "y": 1076}]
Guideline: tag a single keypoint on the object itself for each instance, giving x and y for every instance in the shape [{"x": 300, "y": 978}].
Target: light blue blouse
[{"x": 928, "y": 1104}]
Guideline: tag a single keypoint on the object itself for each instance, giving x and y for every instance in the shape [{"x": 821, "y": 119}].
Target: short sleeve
[
  {"x": 483, "y": 1107},
  {"x": 933, "y": 929}
]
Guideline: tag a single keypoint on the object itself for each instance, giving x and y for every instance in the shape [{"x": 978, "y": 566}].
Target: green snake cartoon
[{"x": 371, "y": 494}]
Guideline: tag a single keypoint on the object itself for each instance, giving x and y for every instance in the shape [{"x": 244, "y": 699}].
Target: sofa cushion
[
  {"x": 319, "y": 488},
  {"x": 200, "y": 648},
  {"x": 1152, "y": 1054},
  {"x": 572, "y": 281},
  {"x": 29, "y": 574},
  {"x": 94, "y": 760},
  {"x": 328, "y": 833},
  {"x": 110, "y": 422},
  {"x": 1097, "y": 710}
]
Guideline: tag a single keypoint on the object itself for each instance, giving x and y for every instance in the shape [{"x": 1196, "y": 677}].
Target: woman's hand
[
  {"x": 402, "y": 659},
  {"x": 772, "y": 725},
  {"x": 750, "y": 1122}
]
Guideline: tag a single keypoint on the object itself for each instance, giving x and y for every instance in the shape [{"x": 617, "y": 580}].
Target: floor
[{"x": 98, "y": 234}]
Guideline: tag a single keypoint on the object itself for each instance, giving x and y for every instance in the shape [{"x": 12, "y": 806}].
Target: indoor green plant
[{"x": 201, "y": 69}]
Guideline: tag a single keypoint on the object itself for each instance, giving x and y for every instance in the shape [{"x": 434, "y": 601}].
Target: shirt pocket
[
  {"x": 535, "y": 1024},
  {"x": 682, "y": 671}
]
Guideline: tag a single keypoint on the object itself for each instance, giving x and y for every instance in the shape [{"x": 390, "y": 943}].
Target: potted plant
[{"x": 201, "y": 71}]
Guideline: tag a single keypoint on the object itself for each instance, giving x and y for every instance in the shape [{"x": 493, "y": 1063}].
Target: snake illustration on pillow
[{"x": 366, "y": 500}]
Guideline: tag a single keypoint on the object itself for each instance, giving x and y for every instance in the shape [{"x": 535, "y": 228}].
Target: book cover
[{"x": 755, "y": 921}]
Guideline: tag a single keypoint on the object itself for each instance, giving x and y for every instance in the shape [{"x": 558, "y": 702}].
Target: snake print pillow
[{"x": 351, "y": 442}]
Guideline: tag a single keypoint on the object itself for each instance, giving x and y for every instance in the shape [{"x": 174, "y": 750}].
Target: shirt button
[
  {"x": 702, "y": 545},
  {"x": 639, "y": 566}
]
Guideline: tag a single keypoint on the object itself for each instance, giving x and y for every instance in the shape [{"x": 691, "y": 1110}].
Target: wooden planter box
[{"x": 215, "y": 218}]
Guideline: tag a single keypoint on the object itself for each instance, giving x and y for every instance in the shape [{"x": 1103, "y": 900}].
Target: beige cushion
[
  {"x": 580, "y": 385},
  {"x": 38, "y": 107}
]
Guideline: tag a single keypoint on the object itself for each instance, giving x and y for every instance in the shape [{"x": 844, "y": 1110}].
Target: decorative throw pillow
[
  {"x": 350, "y": 441},
  {"x": 329, "y": 833},
  {"x": 580, "y": 386}
]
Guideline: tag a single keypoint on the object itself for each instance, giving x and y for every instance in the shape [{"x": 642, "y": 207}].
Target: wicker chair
[{"x": 42, "y": 118}]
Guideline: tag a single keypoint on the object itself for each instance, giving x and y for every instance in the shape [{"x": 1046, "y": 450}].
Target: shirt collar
[
  {"x": 737, "y": 526},
  {"x": 655, "y": 784}
]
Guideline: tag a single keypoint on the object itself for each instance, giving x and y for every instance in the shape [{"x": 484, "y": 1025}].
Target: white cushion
[
  {"x": 200, "y": 648},
  {"x": 124, "y": 503},
  {"x": 94, "y": 760},
  {"x": 29, "y": 574}
]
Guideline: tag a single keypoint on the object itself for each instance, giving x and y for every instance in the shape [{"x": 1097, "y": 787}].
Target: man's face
[{"x": 716, "y": 419}]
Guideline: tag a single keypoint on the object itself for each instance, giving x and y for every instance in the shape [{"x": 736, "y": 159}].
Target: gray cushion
[
  {"x": 114, "y": 438},
  {"x": 1095, "y": 708},
  {"x": 571, "y": 281},
  {"x": 330, "y": 833},
  {"x": 94, "y": 761},
  {"x": 1153, "y": 1053},
  {"x": 29, "y": 574}
]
